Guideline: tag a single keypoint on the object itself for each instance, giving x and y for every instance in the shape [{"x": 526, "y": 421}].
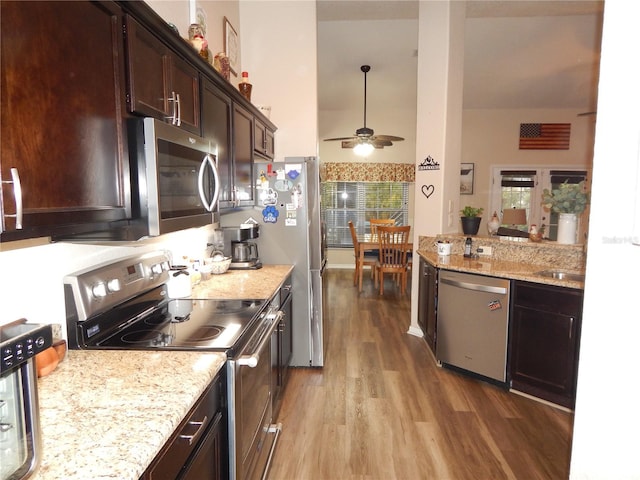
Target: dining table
[{"x": 368, "y": 242}]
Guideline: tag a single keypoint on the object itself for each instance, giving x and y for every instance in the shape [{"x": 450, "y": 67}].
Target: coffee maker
[{"x": 243, "y": 253}]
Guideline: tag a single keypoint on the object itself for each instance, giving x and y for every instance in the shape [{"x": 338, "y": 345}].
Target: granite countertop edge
[{"x": 498, "y": 268}]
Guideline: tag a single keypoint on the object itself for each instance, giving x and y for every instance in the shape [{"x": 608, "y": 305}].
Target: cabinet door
[
  {"x": 427, "y": 301},
  {"x": 281, "y": 357},
  {"x": 242, "y": 156},
  {"x": 264, "y": 141},
  {"x": 545, "y": 328},
  {"x": 62, "y": 123},
  {"x": 160, "y": 84},
  {"x": 216, "y": 129},
  {"x": 185, "y": 84},
  {"x": 148, "y": 81}
]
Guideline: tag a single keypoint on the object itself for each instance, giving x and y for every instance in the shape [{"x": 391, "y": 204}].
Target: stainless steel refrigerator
[{"x": 288, "y": 212}]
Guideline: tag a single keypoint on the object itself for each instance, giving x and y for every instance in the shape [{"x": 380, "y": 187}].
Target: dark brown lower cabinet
[
  {"x": 197, "y": 450},
  {"x": 427, "y": 302},
  {"x": 545, "y": 340}
]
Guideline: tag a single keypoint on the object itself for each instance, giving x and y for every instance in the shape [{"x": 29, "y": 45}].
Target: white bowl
[{"x": 220, "y": 266}]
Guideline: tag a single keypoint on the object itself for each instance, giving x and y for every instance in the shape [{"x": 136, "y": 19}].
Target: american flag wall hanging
[{"x": 545, "y": 136}]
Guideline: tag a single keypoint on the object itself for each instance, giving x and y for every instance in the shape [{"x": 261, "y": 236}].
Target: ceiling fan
[{"x": 364, "y": 141}]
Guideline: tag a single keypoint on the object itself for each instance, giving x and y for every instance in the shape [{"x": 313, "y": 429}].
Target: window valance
[{"x": 368, "y": 172}]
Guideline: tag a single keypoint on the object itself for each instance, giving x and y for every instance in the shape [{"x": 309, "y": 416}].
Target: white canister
[
  {"x": 179, "y": 284},
  {"x": 444, "y": 248}
]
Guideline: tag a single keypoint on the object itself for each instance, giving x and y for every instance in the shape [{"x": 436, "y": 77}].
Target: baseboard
[
  {"x": 540, "y": 400},
  {"x": 415, "y": 331}
]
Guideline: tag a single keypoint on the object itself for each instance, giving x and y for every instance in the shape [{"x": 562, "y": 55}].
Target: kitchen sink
[{"x": 561, "y": 275}]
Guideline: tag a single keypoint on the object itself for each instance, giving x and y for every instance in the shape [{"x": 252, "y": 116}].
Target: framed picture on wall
[
  {"x": 231, "y": 46},
  {"x": 466, "y": 178}
]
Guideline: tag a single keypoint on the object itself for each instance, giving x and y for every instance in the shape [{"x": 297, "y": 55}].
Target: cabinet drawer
[
  {"x": 560, "y": 300},
  {"x": 187, "y": 436}
]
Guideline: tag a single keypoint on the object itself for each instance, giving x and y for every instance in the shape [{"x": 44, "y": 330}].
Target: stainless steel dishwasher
[{"x": 473, "y": 323}]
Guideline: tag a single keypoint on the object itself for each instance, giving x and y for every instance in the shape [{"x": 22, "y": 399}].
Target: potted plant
[
  {"x": 568, "y": 200},
  {"x": 470, "y": 218}
]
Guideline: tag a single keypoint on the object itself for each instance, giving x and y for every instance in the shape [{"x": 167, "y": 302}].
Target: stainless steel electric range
[{"x": 123, "y": 305}]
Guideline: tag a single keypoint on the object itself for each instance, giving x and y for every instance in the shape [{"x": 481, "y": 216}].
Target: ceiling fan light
[{"x": 363, "y": 149}]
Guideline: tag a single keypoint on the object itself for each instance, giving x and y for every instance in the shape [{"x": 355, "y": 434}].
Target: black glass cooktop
[{"x": 181, "y": 324}]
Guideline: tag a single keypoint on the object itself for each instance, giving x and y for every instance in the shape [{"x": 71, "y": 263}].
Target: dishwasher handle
[{"x": 474, "y": 286}]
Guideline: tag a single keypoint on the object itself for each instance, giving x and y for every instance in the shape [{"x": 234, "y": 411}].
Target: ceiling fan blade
[
  {"x": 374, "y": 143},
  {"x": 387, "y": 138},
  {"x": 340, "y": 138},
  {"x": 380, "y": 143}
]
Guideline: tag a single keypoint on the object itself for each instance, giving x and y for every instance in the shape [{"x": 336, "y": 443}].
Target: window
[
  {"x": 522, "y": 188},
  {"x": 359, "y": 202},
  {"x": 517, "y": 189}
]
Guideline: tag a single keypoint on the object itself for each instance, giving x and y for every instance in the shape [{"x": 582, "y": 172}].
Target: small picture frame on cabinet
[{"x": 231, "y": 46}]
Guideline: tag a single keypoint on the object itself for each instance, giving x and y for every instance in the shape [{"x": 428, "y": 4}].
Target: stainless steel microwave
[{"x": 178, "y": 179}]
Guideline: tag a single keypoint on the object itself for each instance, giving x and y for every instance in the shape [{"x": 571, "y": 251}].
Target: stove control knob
[
  {"x": 114, "y": 285},
  {"x": 99, "y": 290},
  {"x": 156, "y": 269}
]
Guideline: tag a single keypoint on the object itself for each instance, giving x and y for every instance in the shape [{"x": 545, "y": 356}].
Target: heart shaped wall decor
[{"x": 427, "y": 190}]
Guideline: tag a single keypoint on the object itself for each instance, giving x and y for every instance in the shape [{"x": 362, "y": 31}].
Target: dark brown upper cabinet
[
  {"x": 62, "y": 123},
  {"x": 242, "y": 159},
  {"x": 160, "y": 83},
  {"x": 264, "y": 141}
]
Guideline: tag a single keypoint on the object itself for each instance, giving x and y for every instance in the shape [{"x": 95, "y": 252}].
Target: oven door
[
  {"x": 19, "y": 430},
  {"x": 254, "y": 435},
  {"x": 182, "y": 178}
]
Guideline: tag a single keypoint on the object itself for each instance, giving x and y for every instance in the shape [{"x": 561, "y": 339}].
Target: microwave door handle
[
  {"x": 208, "y": 161},
  {"x": 17, "y": 195},
  {"x": 178, "y": 111}
]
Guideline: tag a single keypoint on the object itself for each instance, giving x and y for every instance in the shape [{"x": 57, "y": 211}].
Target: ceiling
[{"x": 518, "y": 54}]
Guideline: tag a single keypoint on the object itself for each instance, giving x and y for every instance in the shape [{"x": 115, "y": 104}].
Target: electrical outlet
[{"x": 485, "y": 251}]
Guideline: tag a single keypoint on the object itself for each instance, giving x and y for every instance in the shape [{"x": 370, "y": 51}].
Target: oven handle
[{"x": 253, "y": 359}]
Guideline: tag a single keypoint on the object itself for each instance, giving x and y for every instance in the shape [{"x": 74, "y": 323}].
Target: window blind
[{"x": 359, "y": 202}]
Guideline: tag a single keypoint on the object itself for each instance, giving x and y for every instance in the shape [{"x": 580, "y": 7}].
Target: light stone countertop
[
  {"x": 243, "y": 284},
  {"x": 106, "y": 414},
  {"x": 516, "y": 270}
]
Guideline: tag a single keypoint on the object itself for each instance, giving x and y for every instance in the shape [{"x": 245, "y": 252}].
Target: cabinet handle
[
  {"x": 571, "y": 327},
  {"x": 208, "y": 160},
  {"x": 179, "y": 109},
  {"x": 192, "y": 438},
  {"x": 17, "y": 195},
  {"x": 175, "y": 116}
]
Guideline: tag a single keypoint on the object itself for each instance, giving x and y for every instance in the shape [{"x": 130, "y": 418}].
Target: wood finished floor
[{"x": 381, "y": 408}]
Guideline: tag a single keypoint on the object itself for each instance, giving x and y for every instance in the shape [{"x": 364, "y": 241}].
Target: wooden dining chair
[
  {"x": 370, "y": 258},
  {"x": 376, "y": 222},
  {"x": 393, "y": 243}
]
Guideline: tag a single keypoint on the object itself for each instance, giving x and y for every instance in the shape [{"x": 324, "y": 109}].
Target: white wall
[
  {"x": 280, "y": 53},
  {"x": 183, "y": 12},
  {"x": 31, "y": 279},
  {"x": 490, "y": 138},
  {"x": 607, "y": 418},
  {"x": 439, "y": 124}
]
